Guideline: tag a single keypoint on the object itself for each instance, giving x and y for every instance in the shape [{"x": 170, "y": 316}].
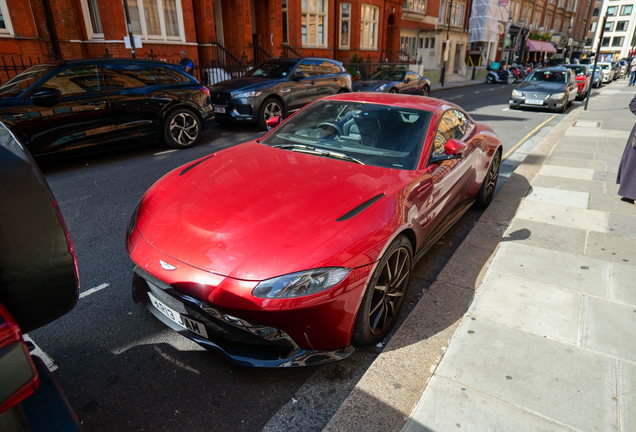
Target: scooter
[{"x": 500, "y": 76}]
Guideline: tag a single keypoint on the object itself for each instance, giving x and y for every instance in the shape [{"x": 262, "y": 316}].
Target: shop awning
[{"x": 534, "y": 45}]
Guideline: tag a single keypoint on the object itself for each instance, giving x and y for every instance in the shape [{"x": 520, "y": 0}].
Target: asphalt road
[{"x": 121, "y": 369}]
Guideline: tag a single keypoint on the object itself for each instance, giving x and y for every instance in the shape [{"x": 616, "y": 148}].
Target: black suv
[
  {"x": 68, "y": 104},
  {"x": 277, "y": 87}
]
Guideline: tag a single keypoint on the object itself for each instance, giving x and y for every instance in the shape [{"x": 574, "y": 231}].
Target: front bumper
[
  {"x": 238, "y": 109},
  {"x": 551, "y": 104}
]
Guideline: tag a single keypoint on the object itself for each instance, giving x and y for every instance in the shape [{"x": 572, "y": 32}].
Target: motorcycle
[{"x": 500, "y": 76}]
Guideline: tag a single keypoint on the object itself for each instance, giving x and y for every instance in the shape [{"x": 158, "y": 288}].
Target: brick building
[{"x": 237, "y": 30}]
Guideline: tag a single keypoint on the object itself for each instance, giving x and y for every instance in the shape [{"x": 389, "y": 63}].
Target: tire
[
  {"x": 426, "y": 91},
  {"x": 181, "y": 129},
  {"x": 380, "y": 308},
  {"x": 393, "y": 90},
  {"x": 487, "y": 189},
  {"x": 510, "y": 80},
  {"x": 271, "y": 107},
  {"x": 489, "y": 80}
]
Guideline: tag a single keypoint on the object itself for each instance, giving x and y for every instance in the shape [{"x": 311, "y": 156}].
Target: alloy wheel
[
  {"x": 493, "y": 175},
  {"x": 425, "y": 91},
  {"x": 184, "y": 128},
  {"x": 272, "y": 109},
  {"x": 389, "y": 291}
]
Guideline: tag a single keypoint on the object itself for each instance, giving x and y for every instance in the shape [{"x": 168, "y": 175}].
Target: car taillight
[
  {"x": 18, "y": 375},
  {"x": 206, "y": 90}
]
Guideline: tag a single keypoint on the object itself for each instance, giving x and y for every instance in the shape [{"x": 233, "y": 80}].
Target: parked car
[
  {"x": 39, "y": 283},
  {"x": 583, "y": 79},
  {"x": 618, "y": 69},
  {"x": 395, "y": 81},
  {"x": 597, "y": 79},
  {"x": 344, "y": 197},
  {"x": 68, "y": 104},
  {"x": 553, "y": 88},
  {"x": 277, "y": 87},
  {"x": 608, "y": 72}
]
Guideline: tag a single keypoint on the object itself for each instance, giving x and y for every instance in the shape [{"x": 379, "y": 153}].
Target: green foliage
[
  {"x": 540, "y": 37},
  {"x": 356, "y": 59},
  {"x": 352, "y": 71}
]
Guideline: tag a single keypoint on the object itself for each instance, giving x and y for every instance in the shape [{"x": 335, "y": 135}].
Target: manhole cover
[{"x": 588, "y": 124}]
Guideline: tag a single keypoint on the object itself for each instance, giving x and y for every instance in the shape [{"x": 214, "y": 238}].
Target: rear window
[
  {"x": 579, "y": 70},
  {"x": 15, "y": 86}
]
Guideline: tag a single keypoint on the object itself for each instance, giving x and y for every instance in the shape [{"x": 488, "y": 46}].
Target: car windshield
[
  {"x": 389, "y": 75},
  {"x": 378, "y": 135},
  {"x": 605, "y": 66},
  {"x": 547, "y": 76},
  {"x": 272, "y": 69},
  {"x": 579, "y": 70},
  {"x": 20, "y": 83}
]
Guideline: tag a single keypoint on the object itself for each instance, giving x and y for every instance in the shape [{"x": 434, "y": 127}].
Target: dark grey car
[
  {"x": 553, "y": 88},
  {"x": 395, "y": 81},
  {"x": 277, "y": 87}
]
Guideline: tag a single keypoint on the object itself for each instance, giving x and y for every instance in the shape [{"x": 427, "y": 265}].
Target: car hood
[
  {"x": 542, "y": 87},
  {"x": 245, "y": 83},
  {"x": 253, "y": 212},
  {"x": 371, "y": 85}
]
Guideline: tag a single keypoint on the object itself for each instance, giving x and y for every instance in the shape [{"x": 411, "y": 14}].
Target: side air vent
[
  {"x": 185, "y": 170},
  {"x": 362, "y": 207}
]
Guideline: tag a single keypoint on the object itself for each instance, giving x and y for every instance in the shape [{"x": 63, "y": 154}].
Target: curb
[
  {"x": 466, "y": 84},
  {"x": 389, "y": 391}
]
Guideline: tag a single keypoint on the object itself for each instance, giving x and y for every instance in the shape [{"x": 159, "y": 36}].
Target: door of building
[{"x": 458, "y": 57}]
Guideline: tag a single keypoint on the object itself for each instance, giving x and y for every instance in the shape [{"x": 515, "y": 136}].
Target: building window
[
  {"x": 626, "y": 10},
  {"x": 609, "y": 26},
  {"x": 415, "y": 6},
  {"x": 618, "y": 41},
  {"x": 605, "y": 42},
  {"x": 285, "y": 23},
  {"x": 92, "y": 19},
  {"x": 162, "y": 19},
  {"x": 369, "y": 27},
  {"x": 593, "y": 27},
  {"x": 611, "y": 11},
  {"x": 457, "y": 15},
  {"x": 408, "y": 46},
  {"x": 588, "y": 42},
  {"x": 595, "y": 13},
  {"x": 561, "y": 3},
  {"x": 621, "y": 26},
  {"x": 442, "y": 11},
  {"x": 5, "y": 21},
  {"x": 548, "y": 21},
  {"x": 314, "y": 23},
  {"x": 345, "y": 24}
]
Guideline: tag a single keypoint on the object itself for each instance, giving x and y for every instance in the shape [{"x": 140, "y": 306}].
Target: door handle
[
  {"x": 97, "y": 103},
  {"x": 160, "y": 96}
]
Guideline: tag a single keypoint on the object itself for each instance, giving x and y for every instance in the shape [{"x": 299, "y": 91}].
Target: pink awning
[{"x": 535, "y": 45}]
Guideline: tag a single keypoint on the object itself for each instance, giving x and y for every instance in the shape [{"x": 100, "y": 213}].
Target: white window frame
[
  {"x": 162, "y": 23},
  {"x": 418, "y": 6},
  {"x": 624, "y": 29},
  {"x": 622, "y": 11},
  {"x": 615, "y": 10},
  {"x": 442, "y": 11},
  {"x": 325, "y": 31},
  {"x": 593, "y": 27},
  {"x": 342, "y": 21},
  {"x": 7, "y": 20},
  {"x": 88, "y": 23},
  {"x": 457, "y": 14},
  {"x": 364, "y": 22}
]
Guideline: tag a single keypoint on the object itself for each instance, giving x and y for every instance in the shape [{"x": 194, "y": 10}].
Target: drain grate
[{"x": 587, "y": 124}]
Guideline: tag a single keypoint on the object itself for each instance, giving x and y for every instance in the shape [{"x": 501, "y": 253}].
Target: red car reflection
[{"x": 287, "y": 250}]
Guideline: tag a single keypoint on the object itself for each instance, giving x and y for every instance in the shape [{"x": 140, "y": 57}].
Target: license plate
[
  {"x": 534, "y": 102},
  {"x": 176, "y": 317},
  {"x": 220, "y": 110}
]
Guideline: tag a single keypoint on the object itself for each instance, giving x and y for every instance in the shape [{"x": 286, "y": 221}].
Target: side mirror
[
  {"x": 454, "y": 149},
  {"x": 273, "y": 122},
  {"x": 298, "y": 76}
]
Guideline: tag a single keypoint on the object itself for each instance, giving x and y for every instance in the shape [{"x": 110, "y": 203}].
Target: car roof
[
  {"x": 400, "y": 100},
  {"x": 104, "y": 60}
]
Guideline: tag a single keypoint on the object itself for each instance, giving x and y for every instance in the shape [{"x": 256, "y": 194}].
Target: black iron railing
[
  {"x": 363, "y": 71},
  {"x": 291, "y": 52},
  {"x": 12, "y": 66}
]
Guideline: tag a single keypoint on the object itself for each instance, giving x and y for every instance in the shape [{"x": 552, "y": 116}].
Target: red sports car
[{"x": 286, "y": 250}]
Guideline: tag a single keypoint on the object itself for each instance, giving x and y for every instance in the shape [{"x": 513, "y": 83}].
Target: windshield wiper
[{"x": 314, "y": 150}]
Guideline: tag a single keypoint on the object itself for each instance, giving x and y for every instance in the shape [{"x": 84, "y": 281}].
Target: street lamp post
[
  {"x": 598, "y": 51},
  {"x": 129, "y": 27},
  {"x": 446, "y": 51}
]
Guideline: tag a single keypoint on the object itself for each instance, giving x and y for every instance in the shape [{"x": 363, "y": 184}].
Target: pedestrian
[
  {"x": 627, "y": 169},
  {"x": 632, "y": 70},
  {"x": 185, "y": 62}
]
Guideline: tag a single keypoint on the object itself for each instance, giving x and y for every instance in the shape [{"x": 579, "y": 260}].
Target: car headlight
[
  {"x": 517, "y": 93},
  {"x": 248, "y": 94},
  {"x": 381, "y": 88},
  {"x": 301, "y": 283},
  {"x": 132, "y": 223},
  {"x": 557, "y": 96}
]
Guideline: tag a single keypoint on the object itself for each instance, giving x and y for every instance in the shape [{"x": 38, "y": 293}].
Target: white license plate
[
  {"x": 534, "y": 102},
  {"x": 176, "y": 317},
  {"x": 220, "y": 110}
]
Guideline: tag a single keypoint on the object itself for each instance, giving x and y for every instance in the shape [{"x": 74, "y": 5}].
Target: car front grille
[{"x": 220, "y": 98}]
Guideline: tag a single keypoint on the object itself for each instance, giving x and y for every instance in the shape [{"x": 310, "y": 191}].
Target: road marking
[
  {"x": 37, "y": 351},
  {"x": 460, "y": 95},
  {"x": 165, "y": 152},
  {"x": 491, "y": 89},
  {"x": 93, "y": 290},
  {"x": 506, "y": 109},
  {"x": 516, "y": 146},
  {"x": 477, "y": 92}
]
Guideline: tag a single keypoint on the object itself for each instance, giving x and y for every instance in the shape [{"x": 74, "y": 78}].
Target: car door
[
  {"x": 131, "y": 88},
  {"x": 411, "y": 82},
  {"x": 326, "y": 80},
  {"x": 76, "y": 116},
  {"x": 572, "y": 87},
  {"x": 305, "y": 86},
  {"x": 449, "y": 176}
]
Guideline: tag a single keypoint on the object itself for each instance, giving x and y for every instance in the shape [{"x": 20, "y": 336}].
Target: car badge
[
  {"x": 167, "y": 266},
  {"x": 218, "y": 96}
]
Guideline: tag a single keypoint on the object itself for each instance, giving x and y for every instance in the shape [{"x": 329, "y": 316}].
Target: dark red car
[
  {"x": 284, "y": 251},
  {"x": 583, "y": 79}
]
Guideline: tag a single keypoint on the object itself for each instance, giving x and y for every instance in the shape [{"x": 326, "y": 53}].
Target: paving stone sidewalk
[{"x": 549, "y": 342}]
